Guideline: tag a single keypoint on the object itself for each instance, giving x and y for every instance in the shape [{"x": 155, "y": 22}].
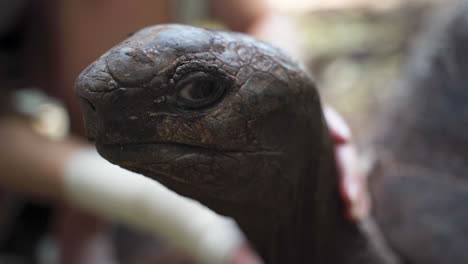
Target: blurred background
[{"x": 353, "y": 48}]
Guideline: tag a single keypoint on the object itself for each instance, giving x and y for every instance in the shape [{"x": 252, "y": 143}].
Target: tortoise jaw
[{"x": 188, "y": 169}]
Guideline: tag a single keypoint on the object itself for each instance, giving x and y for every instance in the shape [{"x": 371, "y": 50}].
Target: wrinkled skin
[{"x": 230, "y": 121}]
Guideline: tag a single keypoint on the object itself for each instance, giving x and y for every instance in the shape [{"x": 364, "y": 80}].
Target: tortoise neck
[
  {"x": 312, "y": 228},
  {"x": 290, "y": 241},
  {"x": 304, "y": 230}
]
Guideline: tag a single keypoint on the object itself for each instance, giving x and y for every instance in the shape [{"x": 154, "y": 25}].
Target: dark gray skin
[
  {"x": 420, "y": 182},
  {"x": 232, "y": 122}
]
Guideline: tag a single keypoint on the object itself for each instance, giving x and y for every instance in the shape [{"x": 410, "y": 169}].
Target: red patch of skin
[{"x": 352, "y": 180}]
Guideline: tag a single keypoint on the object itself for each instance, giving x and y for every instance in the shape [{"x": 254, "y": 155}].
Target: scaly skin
[{"x": 229, "y": 121}]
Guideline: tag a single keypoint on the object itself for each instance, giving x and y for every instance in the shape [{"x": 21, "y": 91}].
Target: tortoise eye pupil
[
  {"x": 201, "y": 89},
  {"x": 198, "y": 91}
]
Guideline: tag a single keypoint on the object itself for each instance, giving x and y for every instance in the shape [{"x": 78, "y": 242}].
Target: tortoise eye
[{"x": 199, "y": 90}]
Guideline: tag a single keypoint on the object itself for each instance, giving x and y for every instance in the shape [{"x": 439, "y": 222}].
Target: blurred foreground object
[
  {"x": 420, "y": 177},
  {"x": 48, "y": 116}
]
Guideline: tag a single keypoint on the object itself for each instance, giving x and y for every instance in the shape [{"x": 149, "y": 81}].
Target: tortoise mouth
[
  {"x": 165, "y": 152},
  {"x": 213, "y": 170}
]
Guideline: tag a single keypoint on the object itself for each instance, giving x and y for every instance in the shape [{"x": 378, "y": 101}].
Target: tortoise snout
[
  {"x": 92, "y": 83},
  {"x": 95, "y": 79}
]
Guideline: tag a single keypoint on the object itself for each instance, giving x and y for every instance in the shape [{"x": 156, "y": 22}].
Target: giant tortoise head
[
  {"x": 219, "y": 117},
  {"x": 214, "y": 113}
]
